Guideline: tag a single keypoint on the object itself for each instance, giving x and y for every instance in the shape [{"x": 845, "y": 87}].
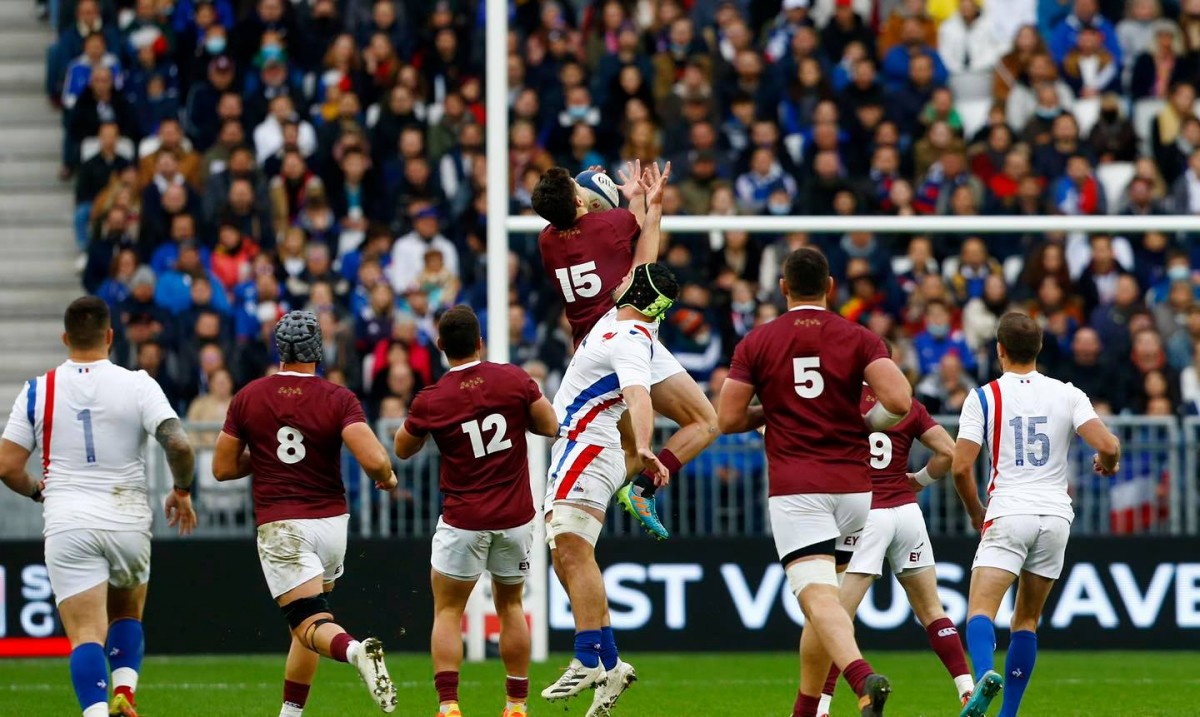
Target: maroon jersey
[
  {"x": 478, "y": 414},
  {"x": 293, "y": 425},
  {"x": 889, "y": 454},
  {"x": 587, "y": 262},
  {"x": 807, "y": 369}
]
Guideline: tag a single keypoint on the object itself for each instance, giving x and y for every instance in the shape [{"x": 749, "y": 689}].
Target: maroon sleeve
[
  {"x": 924, "y": 420},
  {"x": 740, "y": 369},
  {"x": 417, "y": 423},
  {"x": 625, "y": 228},
  {"x": 233, "y": 417},
  {"x": 532, "y": 392},
  {"x": 872, "y": 347},
  {"x": 352, "y": 410}
]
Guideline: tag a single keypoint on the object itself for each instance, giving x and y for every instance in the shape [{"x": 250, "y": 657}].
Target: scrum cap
[{"x": 298, "y": 338}]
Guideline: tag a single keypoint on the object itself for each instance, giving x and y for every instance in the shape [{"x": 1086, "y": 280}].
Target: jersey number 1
[
  {"x": 89, "y": 439},
  {"x": 475, "y": 429},
  {"x": 580, "y": 279}
]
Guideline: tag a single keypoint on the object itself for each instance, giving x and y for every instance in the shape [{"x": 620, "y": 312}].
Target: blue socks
[
  {"x": 608, "y": 648},
  {"x": 89, "y": 674},
  {"x": 126, "y": 644},
  {"x": 1018, "y": 668},
  {"x": 587, "y": 647},
  {"x": 981, "y": 643}
]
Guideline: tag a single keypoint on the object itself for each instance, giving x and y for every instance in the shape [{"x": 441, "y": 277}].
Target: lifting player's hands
[
  {"x": 1099, "y": 467},
  {"x": 388, "y": 484},
  {"x": 662, "y": 476},
  {"x": 631, "y": 180},
  {"x": 655, "y": 181},
  {"x": 180, "y": 512}
]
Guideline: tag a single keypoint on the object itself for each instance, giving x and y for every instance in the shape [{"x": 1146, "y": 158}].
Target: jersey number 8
[{"x": 291, "y": 445}]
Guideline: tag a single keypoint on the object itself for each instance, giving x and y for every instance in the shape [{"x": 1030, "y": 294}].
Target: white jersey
[
  {"x": 613, "y": 356},
  {"x": 90, "y": 421},
  {"x": 1026, "y": 423}
]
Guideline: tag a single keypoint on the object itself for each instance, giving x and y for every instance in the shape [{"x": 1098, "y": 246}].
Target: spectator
[
  {"x": 764, "y": 176},
  {"x": 945, "y": 390},
  {"x": 1111, "y": 321},
  {"x": 1091, "y": 369},
  {"x": 408, "y": 253},
  {"x": 118, "y": 286},
  {"x": 99, "y": 104},
  {"x": 974, "y": 268},
  {"x": 913, "y": 43},
  {"x": 1084, "y": 15},
  {"x": 269, "y": 135},
  {"x": 1167, "y": 125},
  {"x": 1112, "y": 138},
  {"x": 691, "y": 332},
  {"x": 1155, "y": 67},
  {"x": 940, "y": 338},
  {"x": 967, "y": 41},
  {"x": 846, "y": 27},
  {"x": 79, "y": 71},
  {"x": 1171, "y": 316},
  {"x": 1078, "y": 191},
  {"x": 1012, "y": 71},
  {"x": 1135, "y": 33},
  {"x": 233, "y": 258},
  {"x": 892, "y": 32},
  {"x": 1185, "y": 193},
  {"x": 1089, "y": 68}
]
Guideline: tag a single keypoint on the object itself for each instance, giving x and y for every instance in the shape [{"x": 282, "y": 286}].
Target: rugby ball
[{"x": 599, "y": 191}]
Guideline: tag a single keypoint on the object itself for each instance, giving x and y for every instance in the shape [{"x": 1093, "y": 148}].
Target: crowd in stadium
[{"x": 233, "y": 162}]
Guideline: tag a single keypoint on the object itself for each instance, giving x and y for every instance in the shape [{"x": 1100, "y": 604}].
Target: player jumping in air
[
  {"x": 587, "y": 255},
  {"x": 807, "y": 368},
  {"x": 288, "y": 430},
  {"x": 1027, "y": 422},
  {"x": 478, "y": 414},
  {"x": 611, "y": 372},
  {"x": 896, "y": 530},
  {"x": 90, "y": 419}
]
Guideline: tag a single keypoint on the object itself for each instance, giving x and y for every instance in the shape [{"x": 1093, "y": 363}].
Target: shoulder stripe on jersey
[
  {"x": 604, "y": 385},
  {"x": 31, "y": 403},
  {"x": 996, "y": 430},
  {"x": 47, "y": 423}
]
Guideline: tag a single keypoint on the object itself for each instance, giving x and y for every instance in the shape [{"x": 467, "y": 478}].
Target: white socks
[
  {"x": 290, "y": 710},
  {"x": 352, "y": 651},
  {"x": 100, "y": 709},
  {"x": 965, "y": 684},
  {"x": 125, "y": 677},
  {"x": 823, "y": 705}
]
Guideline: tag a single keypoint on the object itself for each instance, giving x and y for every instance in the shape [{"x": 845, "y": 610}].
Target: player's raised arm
[
  {"x": 649, "y": 243},
  {"x": 181, "y": 459},
  {"x": 937, "y": 440},
  {"x": 542, "y": 419},
  {"x": 370, "y": 454},
  {"x": 893, "y": 392},
  {"x": 633, "y": 190}
]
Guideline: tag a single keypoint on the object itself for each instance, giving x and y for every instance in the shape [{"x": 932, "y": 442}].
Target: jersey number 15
[{"x": 580, "y": 279}]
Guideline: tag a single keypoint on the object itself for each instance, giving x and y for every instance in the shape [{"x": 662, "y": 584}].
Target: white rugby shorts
[
  {"x": 801, "y": 520},
  {"x": 584, "y": 474},
  {"x": 1037, "y": 543},
  {"x": 294, "y": 551},
  {"x": 898, "y": 534},
  {"x": 461, "y": 554},
  {"x": 80, "y": 559}
]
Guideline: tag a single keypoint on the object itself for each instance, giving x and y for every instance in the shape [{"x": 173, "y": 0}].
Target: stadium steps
[{"x": 37, "y": 276}]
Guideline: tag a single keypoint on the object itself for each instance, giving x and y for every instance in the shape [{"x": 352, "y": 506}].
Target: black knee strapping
[
  {"x": 842, "y": 557},
  {"x": 310, "y": 632},
  {"x": 297, "y": 611},
  {"x": 825, "y": 547}
]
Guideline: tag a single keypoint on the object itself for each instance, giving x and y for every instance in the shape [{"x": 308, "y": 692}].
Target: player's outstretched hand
[
  {"x": 180, "y": 512},
  {"x": 631, "y": 180},
  {"x": 662, "y": 476},
  {"x": 389, "y": 484},
  {"x": 655, "y": 181},
  {"x": 1098, "y": 466}
]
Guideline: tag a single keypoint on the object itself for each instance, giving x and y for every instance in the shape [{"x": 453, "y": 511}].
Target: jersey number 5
[
  {"x": 809, "y": 381},
  {"x": 291, "y": 445},
  {"x": 475, "y": 429},
  {"x": 580, "y": 279}
]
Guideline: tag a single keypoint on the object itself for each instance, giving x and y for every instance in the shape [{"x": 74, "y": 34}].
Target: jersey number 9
[{"x": 881, "y": 450}]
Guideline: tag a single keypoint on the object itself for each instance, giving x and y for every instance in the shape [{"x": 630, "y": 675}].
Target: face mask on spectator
[
  {"x": 214, "y": 45},
  {"x": 578, "y": 111},
  {"x": 272, "y": 52},
  {"x": 1178, "y": 273},
  {"x": 779, "y": 209},
  {"x": 938, "y": 331}
]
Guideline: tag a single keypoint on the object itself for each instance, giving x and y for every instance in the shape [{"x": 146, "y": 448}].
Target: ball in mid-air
[{"x": 599, "y": 191}]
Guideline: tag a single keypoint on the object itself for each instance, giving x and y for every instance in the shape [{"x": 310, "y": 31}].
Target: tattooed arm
[{"x": 182, "y": 461}]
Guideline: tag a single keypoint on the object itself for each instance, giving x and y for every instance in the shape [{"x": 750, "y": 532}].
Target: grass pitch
[{"x": 1066, "y": 684}]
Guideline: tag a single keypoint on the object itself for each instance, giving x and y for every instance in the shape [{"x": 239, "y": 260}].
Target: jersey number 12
[{"x": 474, "y": 430}]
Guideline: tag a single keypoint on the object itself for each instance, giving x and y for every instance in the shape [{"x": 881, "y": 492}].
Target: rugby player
[
  {"x": 288, "y": 430},
  {"x": 896, "y": 530},
  {"x": 478, "y": 414},
  {"x": 586, "y": 256},
  {"x": 1028, "y": 422},
  {"x": 611, "y": 372},
  {"x": 807, "y": 368},
  {"x": 90, "y": 419}
]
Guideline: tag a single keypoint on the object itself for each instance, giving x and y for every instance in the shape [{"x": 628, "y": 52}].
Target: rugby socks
[
  {"x": 643, "y": 485},
  {"x": 825, "y": 704},
  {"x": 943, "y": 638},
  {"x": 981, "y": 642},
  {"x": 446, "y": 684},
  {"x": 608, "y": 648},
  {"x": 343, "y": 647},
  {"x": 516, "y": 690},
  {"x": 857, "y": 673},
  {"x": 1018, "y": 668},
  {"x": 126, "y": 645},
  {"x": 587, "y": 647},
  {"x": 805, "y": 706},
  {"x": 295, "y": 695},
  {"x": 89, "y": 675},
  {"x": 828, "y": 689}
]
